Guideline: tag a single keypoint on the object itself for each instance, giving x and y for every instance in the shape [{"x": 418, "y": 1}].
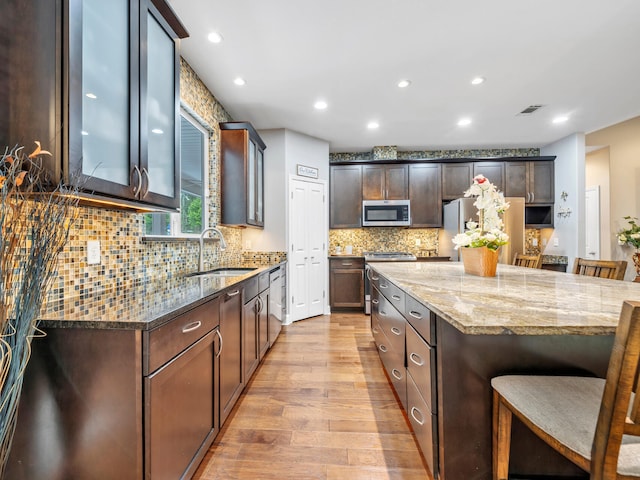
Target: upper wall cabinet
[
  {"x": 456, "y": 178},
  {"x": 242, "y": 153},
  {"x": 345, "y": 196},
  {"x": 385, "y": 182},
  {"x": 425, "y": 195},
  {"x": 532, "y": 180},
  {"x": 111, "y": 95},
  {"x": 493, "y": 171}
]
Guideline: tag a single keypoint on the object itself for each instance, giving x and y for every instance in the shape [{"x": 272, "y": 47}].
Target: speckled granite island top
[
  {"x": 521, "y": 301},
  {"x": 143, "y": 306}
]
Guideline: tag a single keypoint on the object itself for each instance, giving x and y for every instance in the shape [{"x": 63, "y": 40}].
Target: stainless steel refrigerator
[{"x": 458, "y": 212}]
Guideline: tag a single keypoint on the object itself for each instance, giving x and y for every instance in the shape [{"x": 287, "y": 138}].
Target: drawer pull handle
[
  {"x": 233, "y": 294},
  {"x": 384, "y": 285},
  {"x": 383, "y": 349},
  {"x": 347, "y": 264},
  {"x": 413, "y": 357},
  {"x": 375, "y": 301},
  {"x": 375, "y": 331},
  {"x": 395, "y": 297},
  {"x": 396, "y": 374},
  {"x": 374, "y": 278},
  {"x": 419, "y": 420},
  {"x": 382, "y": 312},
  {"x": 396, "y": 331},
  {"x": 190, "y": 327},
  {"x": 220, "y": 337},
  {"x": 415, "y": 314}
]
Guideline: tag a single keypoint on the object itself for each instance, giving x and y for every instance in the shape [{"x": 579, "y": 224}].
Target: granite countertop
[
  {"x": 555, "y": 259},
  {"x": 144, "y": 306},
  {"x": 521, "y": 301}
]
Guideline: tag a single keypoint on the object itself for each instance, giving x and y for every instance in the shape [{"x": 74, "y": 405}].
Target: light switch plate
[
  {"x": 556, "y": 242},
  {"x": 93, "y": 252}
]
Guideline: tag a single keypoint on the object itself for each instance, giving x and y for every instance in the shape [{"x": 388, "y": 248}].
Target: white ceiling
[{"x": 579, "y": 58}]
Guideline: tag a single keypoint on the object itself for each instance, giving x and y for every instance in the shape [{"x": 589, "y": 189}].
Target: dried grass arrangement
[{"x": 34, "y": 220}]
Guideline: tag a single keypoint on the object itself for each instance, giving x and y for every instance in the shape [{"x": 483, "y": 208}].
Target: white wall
[
  {"x": 569, "y": 178},
  {"x": 285, "y": 150}
]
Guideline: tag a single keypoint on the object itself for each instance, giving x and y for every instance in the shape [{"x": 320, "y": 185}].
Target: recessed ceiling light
[
  {"x": 240, "y": 81},
  {"x": 320, "y": 105},
  {"x": 477, "y": 81},
  {"x": 404, "y": 83},
  {"x": 214, "y": 37},
  {"x": 560, "y": 119},
  {"x": 463, "y": 122},
  {"x": 373, "y": 125}
]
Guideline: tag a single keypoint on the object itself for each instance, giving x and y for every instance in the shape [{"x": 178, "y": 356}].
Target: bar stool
[
  {"x": 529, "y": 261},
  {"x": 600, "y": 268}
]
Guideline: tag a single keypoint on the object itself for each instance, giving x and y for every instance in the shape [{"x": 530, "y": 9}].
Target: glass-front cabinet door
[
  {"x": 102, "y": 133},
  {"x": 123, "y": 97},
  {"x": 251, "y": 184},
  {"x": 159, "y": 112}
]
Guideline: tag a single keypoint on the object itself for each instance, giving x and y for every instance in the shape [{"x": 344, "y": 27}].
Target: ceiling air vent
[{"x": 530, "y": 109}]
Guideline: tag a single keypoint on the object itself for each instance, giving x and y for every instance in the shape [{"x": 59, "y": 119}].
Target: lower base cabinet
[{"x": 231, "y": 374}]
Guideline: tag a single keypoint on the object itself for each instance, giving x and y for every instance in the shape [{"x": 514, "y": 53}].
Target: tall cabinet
[
  {"x": 242, "y": 152},
  {"x": 105, "y": 98}
]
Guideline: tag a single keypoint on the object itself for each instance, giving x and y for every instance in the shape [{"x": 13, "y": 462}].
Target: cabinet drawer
[
  {"x": 250, "y": 289},
  {"x": 393, "y": 293},
  {"x": 263, "y": 282},
  {"x": 424, "y": 425},
  {"x": 392, "y": 323},
  {"x": 422, "y": 319},
  {"x": 421, "y": 362},
  {"x": 349, "y": 262},
  {"x": 394, "y": 366},
  {"x": 167, "y": 341}
]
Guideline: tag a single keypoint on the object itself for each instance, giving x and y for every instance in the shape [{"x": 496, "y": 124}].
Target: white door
[
  {"x": 592, "y": 223},
  {"x": 307, "y": 264}
]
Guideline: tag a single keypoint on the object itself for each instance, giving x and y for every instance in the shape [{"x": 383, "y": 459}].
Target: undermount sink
[{"x": 224, "y": 272}]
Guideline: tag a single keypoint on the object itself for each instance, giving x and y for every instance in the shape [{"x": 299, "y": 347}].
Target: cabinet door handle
[
  {"x": 190, "y": 327},
  {"x": 232, "y": 294},
  {"x": 374, "y": 278},
  {"x": 382, "y": 312},
  {"x": 137, "y": 185},
  {"x": 145, "y": 173},
  {"x": 419, "y": 420},
  {"x": 382, "y": 348},
  {"x": 395, "y": 297},
  {"x": 375, "y": 301},
  {"x": 220, "y": 337},
  {"x": 415, "y": 314},
  {"x": 384, "y": 285},
  {"x": 396, "y": 331},
  {"x": 396, "y": 374},
  {"x": 413, "y": 357},
  {"x": 533, "y": 196}
]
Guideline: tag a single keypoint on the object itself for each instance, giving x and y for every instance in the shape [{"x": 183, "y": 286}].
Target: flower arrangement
[
  {"x": 487, "y": 232},
  {"x": 35, "y": 218},
  {"x": 630, "y": 236}
]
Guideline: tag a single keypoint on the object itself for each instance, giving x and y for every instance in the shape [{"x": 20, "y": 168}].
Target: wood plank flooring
[{"x": 319, "y": 407}]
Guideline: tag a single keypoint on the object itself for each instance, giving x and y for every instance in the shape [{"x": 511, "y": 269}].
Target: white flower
[{"x": 471, "y": 225}]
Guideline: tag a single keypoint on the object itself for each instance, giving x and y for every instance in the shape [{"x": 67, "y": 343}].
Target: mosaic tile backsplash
[
  {"x": 127, "y": 259},
  {"x": 386, "y": 239},
  {"x": 378, "y": 153}
]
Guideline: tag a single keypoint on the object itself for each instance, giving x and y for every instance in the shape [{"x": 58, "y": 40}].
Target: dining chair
[
  {"x": 614, "y": 269},
  {"x": 593, "y": 422},
  {"x": 529, "y": 261}
]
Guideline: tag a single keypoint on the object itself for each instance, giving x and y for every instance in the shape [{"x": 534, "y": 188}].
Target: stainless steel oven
[{"x": 380, "y": 257}]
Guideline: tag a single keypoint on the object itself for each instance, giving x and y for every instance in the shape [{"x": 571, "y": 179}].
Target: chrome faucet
[{"x": 223, "y": 244}]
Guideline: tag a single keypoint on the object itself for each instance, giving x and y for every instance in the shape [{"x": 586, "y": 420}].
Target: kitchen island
[{"x": 521, "y": 321}]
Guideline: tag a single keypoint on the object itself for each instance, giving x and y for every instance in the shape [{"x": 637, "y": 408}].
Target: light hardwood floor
[{"x": 319, "y": 407}]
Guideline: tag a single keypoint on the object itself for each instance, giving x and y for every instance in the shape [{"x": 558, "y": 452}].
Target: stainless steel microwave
[{"x": 386, "y": 213}]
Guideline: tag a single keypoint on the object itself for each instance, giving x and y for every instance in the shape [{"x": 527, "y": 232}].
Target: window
[{"x": 194, "y": 153}]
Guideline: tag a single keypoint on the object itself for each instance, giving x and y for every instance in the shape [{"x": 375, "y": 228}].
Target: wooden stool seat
[{"x": 593, "y": 422}]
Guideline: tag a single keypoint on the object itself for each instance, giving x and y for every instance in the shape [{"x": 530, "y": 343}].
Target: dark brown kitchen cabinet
[
  {"x": 493, "y": 171},
  {"x": 385, "y": 182},
  {"x": 231, "y": 372},
  {"x": 103, "y": 96},
  {"x": 242, "y": 172},
  {"x": 456, "y": 178},
  {"x": 533, "y": 180},
  {"x": 346, "y": 283},
  {"x": 345, "y": 196},
  {"x": 425, "y": 181},
  {"x": 255, "y": 323}
]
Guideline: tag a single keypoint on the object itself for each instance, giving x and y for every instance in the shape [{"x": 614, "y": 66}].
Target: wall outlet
[
  {"x": 93, "y": 252},
  {"x": 535, "y": 242},
  {"x": 417, "y": 242}
]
